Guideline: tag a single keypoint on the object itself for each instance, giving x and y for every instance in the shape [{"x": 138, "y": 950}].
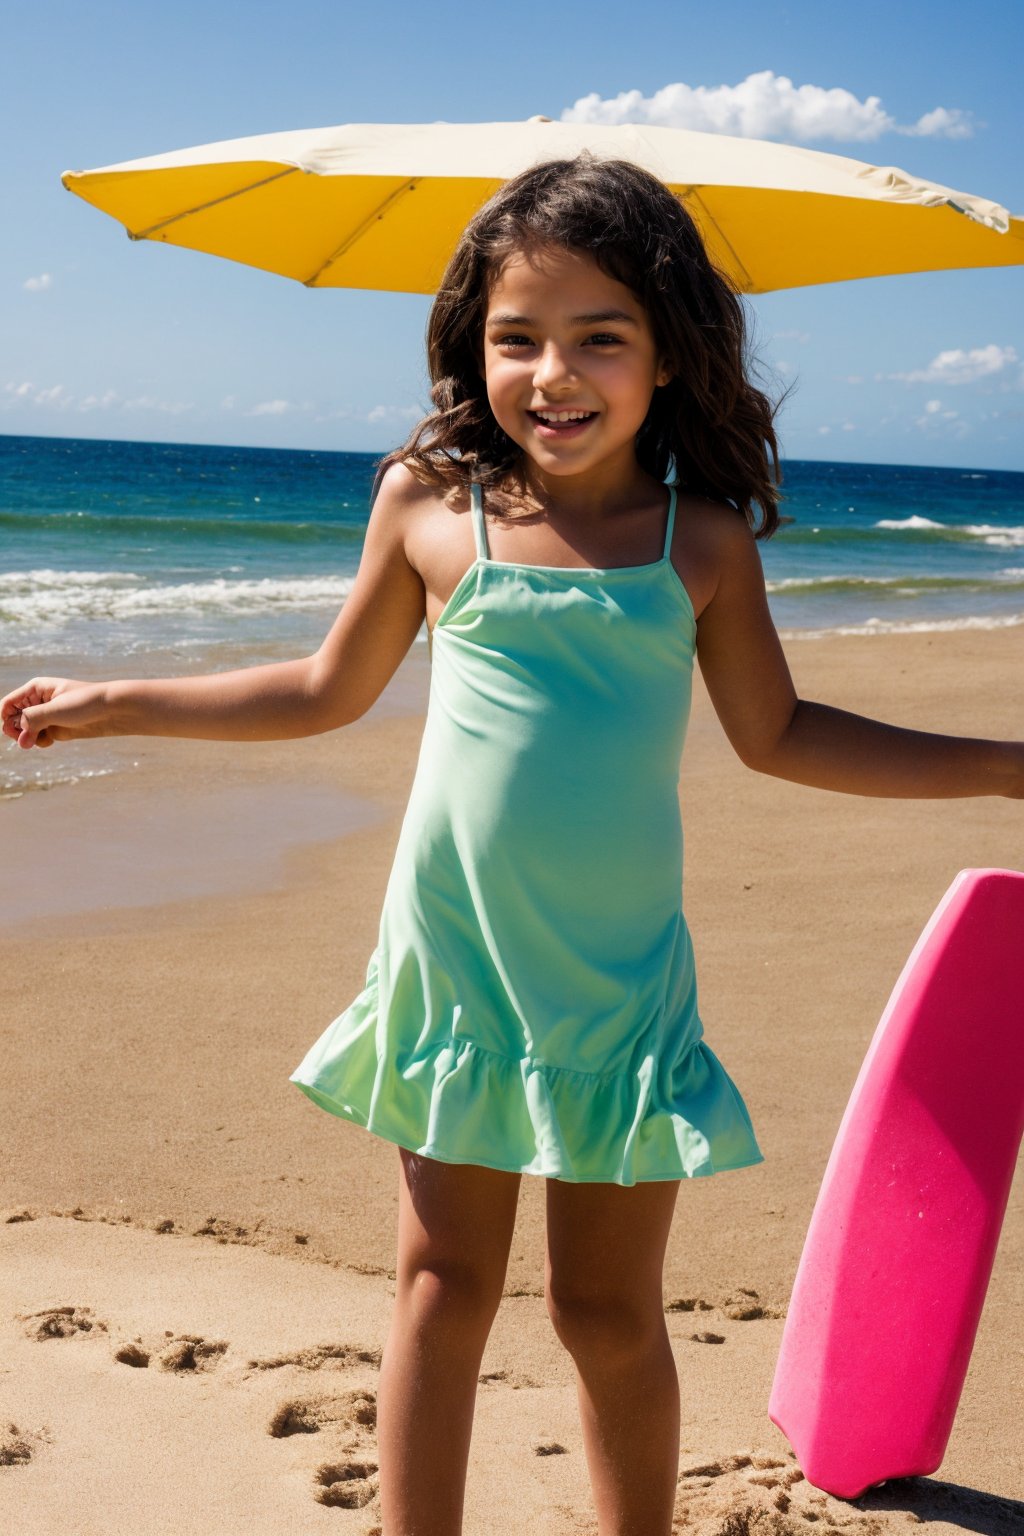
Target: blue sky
[{"x": 102, "y": 337}]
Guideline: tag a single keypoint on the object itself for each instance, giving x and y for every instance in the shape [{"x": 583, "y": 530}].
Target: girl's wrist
[
  {"x": 1015, "y": 770},
  {"x": 124, "y": 703}
]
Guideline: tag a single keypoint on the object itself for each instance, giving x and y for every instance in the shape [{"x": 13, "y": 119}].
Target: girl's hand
[{"x": 50, "y": 709}]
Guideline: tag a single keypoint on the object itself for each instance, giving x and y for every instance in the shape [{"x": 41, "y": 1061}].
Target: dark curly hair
[{"x": 709, "y": 423}]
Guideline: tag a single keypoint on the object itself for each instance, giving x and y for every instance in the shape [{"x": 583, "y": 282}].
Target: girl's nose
[{"x": 553, "y": 369}]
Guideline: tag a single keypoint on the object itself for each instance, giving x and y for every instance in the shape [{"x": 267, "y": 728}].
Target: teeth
[{"x": 562, "y": 415}]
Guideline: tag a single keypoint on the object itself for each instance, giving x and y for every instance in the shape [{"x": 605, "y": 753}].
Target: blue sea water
[{"x": 112, "y": 549}]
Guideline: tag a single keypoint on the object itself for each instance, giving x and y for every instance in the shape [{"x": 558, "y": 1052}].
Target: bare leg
[
  {"x": 606, "y": 1249},
  {"x": 455, "y": 1226}
]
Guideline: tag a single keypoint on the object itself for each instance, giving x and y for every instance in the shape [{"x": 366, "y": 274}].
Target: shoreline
[
  {"x": 873, "y": 629},
  {"x": 197, "y": 1187},
  {"x": 159, "y": 821},
  {"x": 405, "y": 694}
]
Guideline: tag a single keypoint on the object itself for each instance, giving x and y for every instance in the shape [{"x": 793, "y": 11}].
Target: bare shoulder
[
  {"x": 432, "y": 526},
  {"x": 403, "y": 490},
  {"x": 713, "y": 525},
  {"x": 713, "y": 543},
  {"x": 407, "y": 498}
]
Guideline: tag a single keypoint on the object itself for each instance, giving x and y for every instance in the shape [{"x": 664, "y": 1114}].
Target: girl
[{"x": 531, "y": 1006}]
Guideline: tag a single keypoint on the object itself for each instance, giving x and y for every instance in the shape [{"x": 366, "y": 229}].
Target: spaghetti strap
[
  {"x": 479, "y": 526},
  {"x": 671, "y": 522}
]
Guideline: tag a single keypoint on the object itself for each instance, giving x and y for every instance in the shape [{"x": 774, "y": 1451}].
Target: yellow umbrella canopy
[{"x": 381, "y": 206}]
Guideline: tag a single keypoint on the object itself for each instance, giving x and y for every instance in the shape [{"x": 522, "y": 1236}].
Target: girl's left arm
[{"x": 775, "y": 732}]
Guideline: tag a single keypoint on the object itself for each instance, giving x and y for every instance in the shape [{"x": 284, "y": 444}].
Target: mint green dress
[{"x": 532, "y": 1004}]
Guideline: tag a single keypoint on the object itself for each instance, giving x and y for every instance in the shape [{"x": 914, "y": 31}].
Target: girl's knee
[
  {"x": 612, "y": 1328},
  {"x": 449, "y": 1292}
]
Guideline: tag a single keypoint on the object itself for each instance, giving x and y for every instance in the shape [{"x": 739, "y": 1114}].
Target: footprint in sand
[
  {"x": 742, "y": 1306},
  {"x": 757, "y": 1493},
  {"x": 345, "y": 1484},
  {"x": 352, "y": 1418},
  {"x": 310, "y": 1415},
  {"x": 191, "y": 1352},
  {"x": 61, "y": 1323},
  {"x": 19, "y": 1445},
  {"x": 745, "y": 1306},
  {"x": 179, "y": 1352},
  {"x": 513, "y": 1379},
  {"x": 338, "y": 1356}
]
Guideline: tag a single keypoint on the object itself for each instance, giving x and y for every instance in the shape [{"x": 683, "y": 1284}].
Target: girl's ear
[{"x": 664, "y": 375}]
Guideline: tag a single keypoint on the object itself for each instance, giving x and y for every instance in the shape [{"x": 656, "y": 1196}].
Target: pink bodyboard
[{"x": 900, "y": 1248}]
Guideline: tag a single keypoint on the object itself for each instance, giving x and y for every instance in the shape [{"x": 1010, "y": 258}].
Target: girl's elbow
[
  {"x": 330, "y": 714},
  {"x": 760, "y": 755},
  {"x": 765, "y": 745},
  {"x": 755, "y": 759},
  {"x": 345, "y": 716},
  {"x": 329, "y": 705}
]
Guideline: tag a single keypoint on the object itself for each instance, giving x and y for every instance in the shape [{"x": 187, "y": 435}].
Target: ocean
[
  {"x": 154, "y": 557},
  {"x": 111, "y": 549}
]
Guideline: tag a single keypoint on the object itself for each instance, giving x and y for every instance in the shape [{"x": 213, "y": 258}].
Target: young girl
[{"x": 531, "y": 1006}]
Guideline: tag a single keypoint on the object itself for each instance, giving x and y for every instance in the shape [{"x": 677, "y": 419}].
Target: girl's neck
[{"x": 603, "y": 492}]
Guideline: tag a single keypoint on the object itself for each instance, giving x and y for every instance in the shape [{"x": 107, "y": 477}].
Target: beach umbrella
[{"x": 381, "y": 206}]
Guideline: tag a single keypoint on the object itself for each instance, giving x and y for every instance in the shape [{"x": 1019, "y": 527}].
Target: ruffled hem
[{"x": 461, "y": 1103}]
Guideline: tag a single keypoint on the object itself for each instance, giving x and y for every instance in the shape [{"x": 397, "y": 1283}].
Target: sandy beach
[{"x": 196, "y": 1265}]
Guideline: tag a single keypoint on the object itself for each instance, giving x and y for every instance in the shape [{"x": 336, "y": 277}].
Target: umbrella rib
[
  {"x": 360, "y": 230},
  {"x": 693, "y": 193},
  {"x": 253, "y": 186}
]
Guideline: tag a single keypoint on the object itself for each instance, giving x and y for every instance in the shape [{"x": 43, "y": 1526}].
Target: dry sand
[{"x": 196, "y": 1264}]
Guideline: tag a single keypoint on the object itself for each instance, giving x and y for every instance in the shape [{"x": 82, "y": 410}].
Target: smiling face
[{"x": 570, "y": 363}]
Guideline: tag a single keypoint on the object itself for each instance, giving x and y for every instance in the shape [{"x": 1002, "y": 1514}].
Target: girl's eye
[{"x": 513, "y": 342}]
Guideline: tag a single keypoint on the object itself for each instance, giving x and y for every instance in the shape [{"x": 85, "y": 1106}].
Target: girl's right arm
[{"x": 316, "y": 693}]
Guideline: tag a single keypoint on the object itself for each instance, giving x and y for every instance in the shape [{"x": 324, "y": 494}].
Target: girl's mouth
[{"x": 560, "y": 424}]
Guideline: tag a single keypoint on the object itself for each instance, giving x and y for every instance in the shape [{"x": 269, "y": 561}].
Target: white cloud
[
  {"x": 59, "y": 397},
  {"x": 271, "y": 408},
  {"x": 29, "y": 393},
  {"x": 149, "y": 403},
  {"x": 941, "y": 123},
  {"x": 849, "y": 426},
  {"x": 800, "y": 336},
  {"x": 98, "y": 402},
  {"x": 824, "y": 431},
  {"x": 855, "y": 378},
  {"x": 958, "y": 366},
  {"x": 394, "y": 413},
  {"x": 38, "y": 284},
  {"x": 940, "y": 423},
  {"x": 766, "y": 106},
  {"x": 228, "y": 403}
]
